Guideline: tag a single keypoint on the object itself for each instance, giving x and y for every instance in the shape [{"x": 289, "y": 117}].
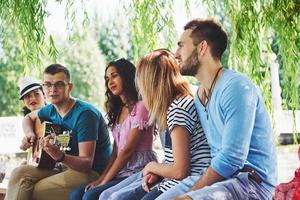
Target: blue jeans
[
  {"x": 179, "y": 189},
  {"x": 92, "y": 194},
  {"x": 128, "y": 187},
  {"x": 153, "y": 194},
  {"x": 123, "y": 189},
  {"x": 236, "y": 188},
  {"x": 140, "y": 194}
]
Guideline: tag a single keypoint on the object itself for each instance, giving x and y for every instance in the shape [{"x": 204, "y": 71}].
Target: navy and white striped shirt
[{"x": 182, "y": 112}]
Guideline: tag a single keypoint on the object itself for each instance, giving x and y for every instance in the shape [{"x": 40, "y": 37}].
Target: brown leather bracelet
[{"x": 62, "y": 157}]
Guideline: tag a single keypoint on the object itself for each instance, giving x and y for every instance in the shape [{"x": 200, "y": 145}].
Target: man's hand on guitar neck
[{"x": 27, "y": 141}]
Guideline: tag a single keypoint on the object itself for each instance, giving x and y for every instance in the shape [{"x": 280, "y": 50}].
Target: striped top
[{"x": 182, "y": 112}]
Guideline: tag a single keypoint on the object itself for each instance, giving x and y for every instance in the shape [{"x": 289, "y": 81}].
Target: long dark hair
[
  {"x": 25, "y": 110},
  {"x": 113, "y": 103}
]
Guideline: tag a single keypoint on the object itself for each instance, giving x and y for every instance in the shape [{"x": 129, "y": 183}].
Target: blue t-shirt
[
  {"x": 238, "y": 129},
  {"x": 87, "y": 124}
]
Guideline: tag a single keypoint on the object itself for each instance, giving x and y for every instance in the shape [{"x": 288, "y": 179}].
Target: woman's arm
[
  {"x": 28, "y": 126},
  {"x": 124, "y": 155},
  {"x": 180, "y": 168},
  {"x": 109, "y": 164},
  {"x": 111, "y": 160}
]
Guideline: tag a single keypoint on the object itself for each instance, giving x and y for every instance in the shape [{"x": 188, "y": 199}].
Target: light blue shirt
[{"x": 238, "y": 129}]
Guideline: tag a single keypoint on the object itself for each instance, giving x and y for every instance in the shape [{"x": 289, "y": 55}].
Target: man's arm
[
  {"x": 87, "y": 134},
  {"x": 124, "y": 155},
  {"x": 85, "y": 159},
  {"x": 208, "y": 178},
  {"x": 111, "y": 160},
  {"x": 83, "y": 162}
]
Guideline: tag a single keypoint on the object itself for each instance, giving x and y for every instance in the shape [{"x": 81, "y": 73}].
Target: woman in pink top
[{"x": 128, "y": 120}]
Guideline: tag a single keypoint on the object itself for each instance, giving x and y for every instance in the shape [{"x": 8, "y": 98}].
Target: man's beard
[{"x": 191, "y": 65}]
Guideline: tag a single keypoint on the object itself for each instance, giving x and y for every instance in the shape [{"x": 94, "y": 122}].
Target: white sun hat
[{"x": 28, "y": 84}]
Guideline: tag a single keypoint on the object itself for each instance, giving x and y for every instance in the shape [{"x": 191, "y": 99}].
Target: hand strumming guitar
[
  {"x": 52, "y": 149},
  {"x": 28, "y": 141}
]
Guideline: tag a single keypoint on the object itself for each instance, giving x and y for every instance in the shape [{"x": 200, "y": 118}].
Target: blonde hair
[{"x": 159, "y": 82}]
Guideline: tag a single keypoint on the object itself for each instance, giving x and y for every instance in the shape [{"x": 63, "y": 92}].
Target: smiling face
[
  {"x": 114, "y": 81},
  {"x": 186, "y": 54},
  {"x": 57, "y": 87},
  {"x": 34, "y": 100}
]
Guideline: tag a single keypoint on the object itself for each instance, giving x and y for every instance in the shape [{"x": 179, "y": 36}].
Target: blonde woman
[{"x": 170, "y": 103}]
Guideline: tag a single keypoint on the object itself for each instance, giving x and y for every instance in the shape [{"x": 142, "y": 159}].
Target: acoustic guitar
[{"x": 40, "y": 158}]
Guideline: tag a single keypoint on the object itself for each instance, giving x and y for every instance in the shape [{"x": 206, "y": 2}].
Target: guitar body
[{"x": 38, "y": 156}]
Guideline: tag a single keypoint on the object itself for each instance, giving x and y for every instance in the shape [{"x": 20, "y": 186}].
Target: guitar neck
[{"x": 46, "y": 128}]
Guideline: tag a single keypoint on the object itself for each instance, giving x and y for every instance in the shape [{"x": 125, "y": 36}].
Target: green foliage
[
  {"x": 11, "y": 71},
  {"x": 80, "y": 54},
  {"x": 9, "y": 99},
  {"x": 83, "y": 58},
  {"x": 115, "y": 38},
  {"x": 286, "y": 23},
  {"x": 87, "y": 69},
  {"x": 152, "y": 25},
  {"x": 256, "y": 29},
  {"x": 25, "y": 49},
  {"x": 27, "y": 17}
]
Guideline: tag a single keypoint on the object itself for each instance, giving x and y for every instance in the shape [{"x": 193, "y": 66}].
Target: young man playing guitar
[{"x": 90, "y": 144}]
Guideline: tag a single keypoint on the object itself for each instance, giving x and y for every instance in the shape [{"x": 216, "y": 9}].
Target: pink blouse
[{"x": 138, "y": 118}]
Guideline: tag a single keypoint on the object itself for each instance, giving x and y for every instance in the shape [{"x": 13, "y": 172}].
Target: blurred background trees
[{"x": 264, "y": 42}]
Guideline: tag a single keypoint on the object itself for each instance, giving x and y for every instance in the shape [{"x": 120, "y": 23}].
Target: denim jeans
[
  {"x": 153, "y": 194},
  {"x": 236, "y": 188},
  {"x": 182, "y": 187},
  {"x": 121, "y": 190},
  {"x": 92, "y": 194}
]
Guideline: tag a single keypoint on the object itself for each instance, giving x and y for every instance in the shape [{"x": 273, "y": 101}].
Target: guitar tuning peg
[
  {"x": 66, "y": 148},
  {"x": 67, "y": 132}
]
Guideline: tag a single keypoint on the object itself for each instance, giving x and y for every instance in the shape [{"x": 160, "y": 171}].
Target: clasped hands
[{"x": 149, "y": 178}]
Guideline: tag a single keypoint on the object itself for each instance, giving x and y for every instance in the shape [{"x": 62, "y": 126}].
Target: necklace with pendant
[{"x": 208, "y": 96}]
